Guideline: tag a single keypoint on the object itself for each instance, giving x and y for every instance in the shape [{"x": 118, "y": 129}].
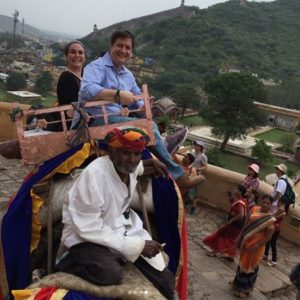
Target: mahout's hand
[{"x": 151, "y": 248}]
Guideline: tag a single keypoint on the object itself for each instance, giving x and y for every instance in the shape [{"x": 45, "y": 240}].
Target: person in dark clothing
[{"x": 69, "y": 80}]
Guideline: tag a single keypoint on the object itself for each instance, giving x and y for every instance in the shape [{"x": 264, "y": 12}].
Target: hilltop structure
[{"x": 132, "y": 24}]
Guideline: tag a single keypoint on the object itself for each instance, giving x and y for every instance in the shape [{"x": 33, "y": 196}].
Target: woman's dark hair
[
  {"x": 295, "y": 276},
  {"x": 242, "y": 190},
  {"x": 67, "y": 46},
  {"x": 255, "y": 175},
  {"x": 269, "y": 197},
  {"x": 191, "y": 157},
  {"x": 122, "y": 34}
]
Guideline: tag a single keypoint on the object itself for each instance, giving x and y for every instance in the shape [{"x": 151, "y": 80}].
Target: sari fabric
[
  {"x": 225, "y": 239},
  {"x": 254, "y": 232}
]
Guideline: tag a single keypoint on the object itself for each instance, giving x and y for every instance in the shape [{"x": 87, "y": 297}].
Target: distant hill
[
  {"x": 6, "y": 25},
  {"x": 193, "y": 44},
  {"x": 133, "y": 24}
]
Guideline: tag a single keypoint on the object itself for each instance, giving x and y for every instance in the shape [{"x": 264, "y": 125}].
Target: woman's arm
[{"x": 239, "y": 216}]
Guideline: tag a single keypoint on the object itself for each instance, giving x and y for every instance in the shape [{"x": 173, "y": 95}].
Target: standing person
[
  {"x": 101, "y": 231},
  {"x": 295, "y": 279},
  {"x": 279, "y": 214},
  {"x": 224, "y": 241},
  {"x": 200, "y": 163},
  {"x": 252, "y": 197},
  {"x": 280, "y": 185},
  {"x": 252, "y": 178},
  {"x": 255, "y": 235},
  {"x": 107, "y": 78},
  {"x": 189, "y": 194}
]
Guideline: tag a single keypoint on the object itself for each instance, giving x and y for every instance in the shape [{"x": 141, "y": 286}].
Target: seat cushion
[{"x": 134, "y": 285}]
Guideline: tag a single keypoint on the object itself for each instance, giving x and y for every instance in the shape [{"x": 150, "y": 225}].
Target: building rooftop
[{"x": 24, "y": 94}]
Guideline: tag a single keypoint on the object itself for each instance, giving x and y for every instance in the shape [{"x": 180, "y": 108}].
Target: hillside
[
  {"x": 6, "y": 25},
  {"x": 261, "y": 38}
]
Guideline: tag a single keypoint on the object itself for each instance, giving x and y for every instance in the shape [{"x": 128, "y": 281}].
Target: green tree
[
  {"x": 58, "y": 60},
  {"x": 262, "y": 151},
  {"x": 16, "y": 81},
  {"x": 287, "y": 141},
  {"x": 230, "y": 109},
  {"x": 186, "y": 96},
  {"x": 56, "y": 47},
  {"x": 286, "y": 94},
  {"x": 213, "y": 156},
  {"x": 43, "y": 82}
]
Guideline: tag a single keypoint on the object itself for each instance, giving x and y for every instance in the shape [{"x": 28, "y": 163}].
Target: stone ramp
[
  {"x": 209, "y": 277},
  {"x": 270, "y": 281}
]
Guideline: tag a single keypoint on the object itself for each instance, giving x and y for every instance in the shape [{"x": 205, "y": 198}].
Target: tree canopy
[
  {"x": 185, "y": 96},
  {"x": 44, "y": 82},
  {"x": 230, "y": 109},
  {"x": 262, "y": 151},
  {"x": 15, "y": 81}
]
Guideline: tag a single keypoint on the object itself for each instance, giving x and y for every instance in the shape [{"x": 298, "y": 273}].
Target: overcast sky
[{"x": 78, "y": 17}]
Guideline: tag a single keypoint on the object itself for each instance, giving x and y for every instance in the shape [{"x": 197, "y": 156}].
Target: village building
[
  {"x": 280, "y": 117},
  {"x": 165, "y": 107},
  {"x": 25, "y": 96}
]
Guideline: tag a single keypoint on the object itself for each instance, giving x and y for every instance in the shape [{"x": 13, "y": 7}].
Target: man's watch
[{"x": 118, "y": 97}]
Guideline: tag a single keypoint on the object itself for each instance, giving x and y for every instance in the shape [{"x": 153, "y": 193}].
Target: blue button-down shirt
[{"x": 101, "y": 74}]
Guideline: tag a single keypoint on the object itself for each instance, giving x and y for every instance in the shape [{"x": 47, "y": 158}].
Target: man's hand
[
  {"x": 156, "y": 167},
  {"x": 127, "y": 98},
  {"x": 124, "y": 112},
  {"x": 41, "y": 123},
  {"x": 152, "y": 248}
]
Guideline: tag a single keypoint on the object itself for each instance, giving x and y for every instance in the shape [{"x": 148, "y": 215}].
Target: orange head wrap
[{"x": 130, "y": 138}]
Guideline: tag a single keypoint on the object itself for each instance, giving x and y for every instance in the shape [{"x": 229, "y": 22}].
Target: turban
[{"x": 130, "y": 138}]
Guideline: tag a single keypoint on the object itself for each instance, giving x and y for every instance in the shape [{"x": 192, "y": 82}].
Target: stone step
[{"x": 270, "y": 281}]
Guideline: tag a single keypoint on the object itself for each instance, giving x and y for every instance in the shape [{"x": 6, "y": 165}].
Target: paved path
[{"x": 208, "y": 276}]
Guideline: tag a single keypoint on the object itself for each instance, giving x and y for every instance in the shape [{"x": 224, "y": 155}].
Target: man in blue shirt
[{"x": 106, "y": 78}]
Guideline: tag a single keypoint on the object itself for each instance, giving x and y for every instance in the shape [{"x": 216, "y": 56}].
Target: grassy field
[
  {"x": 191, "y": 121},
  {"x": 49, "y": 101},
  {"x": 274, "y": 135},
  {"x": 239, "y": 164}
]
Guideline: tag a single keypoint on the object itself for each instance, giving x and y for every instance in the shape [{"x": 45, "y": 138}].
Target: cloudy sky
[{"x": 78, "y": 17}]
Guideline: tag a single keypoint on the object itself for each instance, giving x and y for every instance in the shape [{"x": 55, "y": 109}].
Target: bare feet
[
  {"x": 211, "y": 254},
  {"x": 240, "y": 294}
]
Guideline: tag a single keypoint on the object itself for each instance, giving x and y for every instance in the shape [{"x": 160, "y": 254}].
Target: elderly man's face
[{"x": 125, "y": 161}]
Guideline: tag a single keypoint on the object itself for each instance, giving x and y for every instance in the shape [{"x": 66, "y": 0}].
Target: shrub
[{"x": 213, "y": 156}]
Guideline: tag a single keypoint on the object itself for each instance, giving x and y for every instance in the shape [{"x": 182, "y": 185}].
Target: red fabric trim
[
  {"x": 45, "y": 293},
  {"x": 182, "y": 280}
]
